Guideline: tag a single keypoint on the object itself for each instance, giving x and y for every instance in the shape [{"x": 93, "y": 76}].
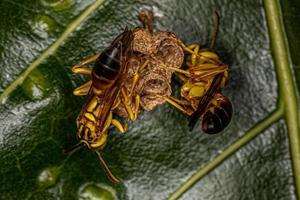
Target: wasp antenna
[
  {"x": 106, "y": 169},
  {"x": 216, "y": 30},
  {"x": 72, "y": 148}
]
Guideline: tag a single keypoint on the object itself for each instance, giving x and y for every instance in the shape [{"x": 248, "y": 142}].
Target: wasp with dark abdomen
[
  {"x": 105, "y": 91},
  {"x": 134, "y": 73},
  {"x": 203, "y": 77},
  {"x": 124, "y": 82}
]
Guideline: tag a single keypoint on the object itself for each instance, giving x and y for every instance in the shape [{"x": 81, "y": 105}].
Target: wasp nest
[{"x": 159, "y": 48}]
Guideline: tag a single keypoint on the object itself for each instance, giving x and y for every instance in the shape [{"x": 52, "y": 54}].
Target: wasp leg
[
  {"x": 163, "y": 66},
  {"x": 208, "y": 56},
  {"x": 176, "y": 103},
  {"x": 82, "y": 71},
  {"x": 83, "y": 89},
  {"x": 136, "y": 76},
  {"x": 137, "y": 106},
  {"x": 189, "y": 48},
  {"x": 194, "y": 55},
  {"x": 127, "y": 98},
  {"x": 126, "y": 101},
  {"x": 181, "y": 76},
  {"x": 194, "y": 50},
  {"x": 192, "y": 46},
  {"x": 119, "y": 126},
  {"x": 200, "y": 56},
  {"x": 115, "y": 122},
  {"x": 212, "y": 72},
  {"x": 180, "y": 101},
  {"x": 132, "y": 114},
  {"x": 116, "y": 104},
  {"x": 77, "y": 68},
  {"x": 108, "y": 121}
]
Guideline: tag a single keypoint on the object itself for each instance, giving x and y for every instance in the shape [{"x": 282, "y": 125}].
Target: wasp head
[{"x": 93, "y": 139}]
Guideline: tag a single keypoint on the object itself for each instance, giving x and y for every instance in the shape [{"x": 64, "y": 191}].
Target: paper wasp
[
  {"x": 123, "y": 78},
  {"x": 105, "y": 92},
  {"x": 203, "y": 78}
]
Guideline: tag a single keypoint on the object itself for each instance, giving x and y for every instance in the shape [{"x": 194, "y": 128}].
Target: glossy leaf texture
[{"x": 158, "y": 154}]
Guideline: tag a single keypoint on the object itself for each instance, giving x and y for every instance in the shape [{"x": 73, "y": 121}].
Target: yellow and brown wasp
[
  {"x": 203, "y": 77},
  {"x": 123, "y": 82},
  {"x": 105, "y": 91}
]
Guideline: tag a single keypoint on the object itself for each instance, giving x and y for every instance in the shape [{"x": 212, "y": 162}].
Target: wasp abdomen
[
  {"x": 106, "y": 68},
  {"x": 214, "y": 122}
]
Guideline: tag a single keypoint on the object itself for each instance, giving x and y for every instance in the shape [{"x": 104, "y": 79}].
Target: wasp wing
[
  {"x": 110, "y": 95},
  {"x": 204, "y": 100},
  {"x": 107, "y": 101}
]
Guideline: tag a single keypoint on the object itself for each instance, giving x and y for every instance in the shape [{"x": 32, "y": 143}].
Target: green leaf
[{"x": 256, "y": 157}]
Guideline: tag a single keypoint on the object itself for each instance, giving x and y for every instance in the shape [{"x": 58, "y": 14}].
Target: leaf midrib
[
  {"x": 287, "y": 85},
  {"x": 287, "y": 106}
]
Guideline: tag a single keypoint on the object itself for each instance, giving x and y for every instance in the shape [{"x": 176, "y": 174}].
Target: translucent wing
[
  {"x": 204, "y": 100},
  {"x": 111, "y": 94}
]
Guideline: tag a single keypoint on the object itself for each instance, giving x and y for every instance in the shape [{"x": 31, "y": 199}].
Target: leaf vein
[
  {"x": 50, "y": 50},
  {"x": 247, "y": 137},
  {"x": 287, "y": 89}
]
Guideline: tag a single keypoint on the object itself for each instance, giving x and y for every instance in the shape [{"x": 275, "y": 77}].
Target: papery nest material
[{"x": 159, "y": 48}]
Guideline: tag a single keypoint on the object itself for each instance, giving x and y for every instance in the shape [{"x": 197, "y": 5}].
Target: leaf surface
[{"x": 158, "y": 154}]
